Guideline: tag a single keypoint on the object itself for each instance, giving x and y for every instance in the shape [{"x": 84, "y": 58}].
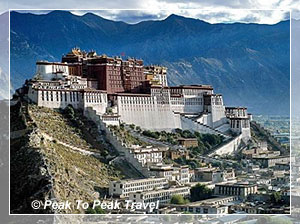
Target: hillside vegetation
[{"x": 46, "y": 163}]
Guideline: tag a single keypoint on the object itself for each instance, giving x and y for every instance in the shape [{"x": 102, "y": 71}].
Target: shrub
[
  {"x": 178, "y": 130},
  {"x": 276, "y": 197},
  {"x": 178, "y": 199},
  {"x": 132, "y": 126},
  {"x": 97, "y": 210},
  {"x": 69, "y": 112},
  {"x": 138, "y": 128},
  {"x": 90, "y": 211},
  {"x": 187, "y": 134},
  {"x": 151, "y": 134},
  {"x": 200, "y": 192}
]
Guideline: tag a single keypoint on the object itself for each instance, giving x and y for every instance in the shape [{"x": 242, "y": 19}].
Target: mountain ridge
[{"x": 239, "y": 60}]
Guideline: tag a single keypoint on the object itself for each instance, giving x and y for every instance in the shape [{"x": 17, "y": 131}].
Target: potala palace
[
  {"x": 127, "y": 91},
  {"x": 159, "y": 137}
]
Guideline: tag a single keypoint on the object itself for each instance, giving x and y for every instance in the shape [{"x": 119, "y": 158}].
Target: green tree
[
  {"x": 132, "y": 126},
  {"x": 276, "y": 197},
  {"x": 200, "y": 192},
  {"x": 99, "y": 210},
  {"x": 187, "y": 134},
  {"x": 151, "y": 134},
  {"x": 90, "y": 211},
  {"x": 69, "y": 112},
  {"x": 178, "y": 130},
  {"x": 138, "y": 129},
  {"x": 96, "y": 210},
  {"x": 177, "y": 199}
]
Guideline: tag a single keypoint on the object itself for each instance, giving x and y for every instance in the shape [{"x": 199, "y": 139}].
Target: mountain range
[{"x": 248, "y": 63}]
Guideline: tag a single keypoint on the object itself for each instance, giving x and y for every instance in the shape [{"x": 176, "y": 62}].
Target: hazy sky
[{"x": 213, "y": 11}]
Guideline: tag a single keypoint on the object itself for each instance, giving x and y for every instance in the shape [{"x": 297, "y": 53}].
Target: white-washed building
[
  {"x": 122, "y": 188},
  {"x": 51, "y": 70},
  {"x": 152, "y": 106},
  {"x": 147, "y": 156},
  {"x": 218, "y": 205},
  {"x": 58, "y": 94},
  {"x": 163, "y": 195},
  {"x": 241, "y": 190},
  {"x": 180, "y": 174}
]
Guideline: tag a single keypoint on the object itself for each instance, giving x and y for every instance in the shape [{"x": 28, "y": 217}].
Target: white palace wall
[
  {"x": 218, "y": 116},
  {"x": 193, "y": 104},
  {"x": 96, "y": 100},
  {"x": 144, "y": 111},
  {"x": 48, "y": 70}
]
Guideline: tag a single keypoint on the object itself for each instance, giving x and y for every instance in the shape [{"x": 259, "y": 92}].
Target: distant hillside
[{"x": 247, "y": 63}]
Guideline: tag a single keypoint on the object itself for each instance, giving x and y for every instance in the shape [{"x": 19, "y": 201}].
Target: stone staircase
[{"x": 116, "y": 143}]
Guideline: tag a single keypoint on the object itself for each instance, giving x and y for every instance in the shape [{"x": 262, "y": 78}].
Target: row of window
[
  {"x": 60, "y": 96},
  {"x": 94, "y": 98},
  {"x": 146, "y": 108},
  {"x": 137, "y": 100},
  {"x": 148, "y": 155},
  {"x": 166, "y": 193},
  {"x": 195, "y": 92},
  {"x": 235, "y": 190},
  {"x": 238, "y": 112},
  {"x": 70, "y": 96},
  {"x": 110, "y": 119},
  {"x": 146, "y": 183},
  {"x": 238, "y": 124}
]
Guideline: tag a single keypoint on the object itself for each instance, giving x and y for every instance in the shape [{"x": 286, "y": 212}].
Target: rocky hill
[
  {"x": 53, "y": 157},
  {"x": 247, "y": 63}
]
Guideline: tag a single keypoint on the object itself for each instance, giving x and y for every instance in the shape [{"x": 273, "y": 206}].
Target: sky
[{"x": 213, "y": 11}]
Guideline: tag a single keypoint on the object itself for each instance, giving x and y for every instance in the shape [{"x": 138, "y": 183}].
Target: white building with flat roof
[
  {"x": 236, "y": 189},
  {"x": 179, "y": 174},
  {"x": 122, "y": 188},
  {"x": 218, "y": 205},
  {"x": 163, "y": 195},
  {"x": 148, "y": 156},
  {"x": 61, "y": 93},
  {"x": 51, "y": 70}
]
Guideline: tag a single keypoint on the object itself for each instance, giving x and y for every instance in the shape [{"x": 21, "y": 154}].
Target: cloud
[{"x": 223, "y": 11}]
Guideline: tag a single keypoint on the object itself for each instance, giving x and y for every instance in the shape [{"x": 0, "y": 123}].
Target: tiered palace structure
[{"x": 126, "y": 91}]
